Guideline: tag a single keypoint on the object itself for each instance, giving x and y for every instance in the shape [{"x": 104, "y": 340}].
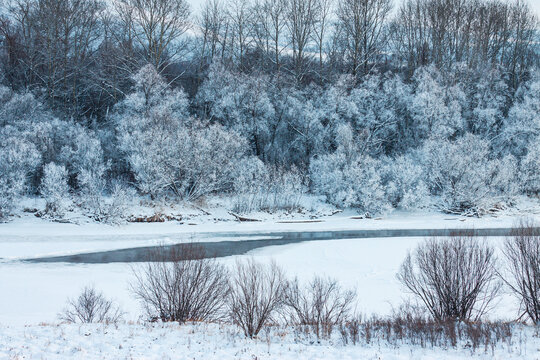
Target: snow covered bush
[
  {"x": 91, "y": 306},
  {"x": 403, "y": 179},
  {"x": 354, "y": 183},
  {"x": 464, "y": 177},
  {"x": 103, "y": 203},
  {"x": 121, "y": 197},
  {"x": 83, "y": 151},
  {"x": 20, "y": 109},
  {"x": 269, "y": 188},
  {"x": 169, "y": 152},
  {"x": 349, "y": 179},
  {"x": 92, "y": 187},
  {"x": 18, "y": 159},
  {"x": 54, "y": 189}
]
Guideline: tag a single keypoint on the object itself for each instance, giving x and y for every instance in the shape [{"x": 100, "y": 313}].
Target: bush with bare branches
[
  {"x": 256, "y": 295},
  {"x": 425, "y": 332},
  {"x": 91, "y": 306},
  {"x": 320, "y": 304},
  {"x": 522, "y": 275},
  {"x": 182, "y": 284},
  {"x": 455, "y": 277}
]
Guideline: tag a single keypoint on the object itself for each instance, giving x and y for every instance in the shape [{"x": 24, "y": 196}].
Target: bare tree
[
  {"x": 57, "y": 41},
  {"x": 211, "y": 23},
  {"x": 475, "y": 32},
  {"x": 271, "y": 20},
  {"x": 156, "y": 26},
  {"x": 519, "y": 54},
  {"x": 301, "y": 15},
  {"x": 455, "y": 277},
  {"x": 181, "y": 284},
  {"x": 256, "y": 295},
  {"x": 363, "y": 26},
  {"x": 322, "y": 25},
  {"x": 91, "y": 307},
  {"x": 321, "y": 304},
  {"x": 240, "y": 13},
  {"x": 522, "y": 252}
]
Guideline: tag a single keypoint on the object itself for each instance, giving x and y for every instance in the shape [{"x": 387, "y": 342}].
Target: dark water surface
[{"x": 240, "y": 247}]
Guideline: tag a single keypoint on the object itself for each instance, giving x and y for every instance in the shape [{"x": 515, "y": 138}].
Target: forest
[{"x": 367, "y": 104}]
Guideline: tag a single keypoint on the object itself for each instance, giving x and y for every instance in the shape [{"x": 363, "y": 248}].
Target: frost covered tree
[
  {"x": 166, "y": 149},
  {"x": 54, "y": 189},
  {"x": 18, "y": 159},
  {"x": 488, "y": 97},
  {"x": 92, "y": 186},
  {"x": 404, "y": 182},
  {"x": 265, "y": 187},
  {"x": 523, "y": 121},
  {"x": 464, "y": 177},
  {"x": 82, "y": 151},
  {"x": 349, "y": 179},
  {"x": 298, "y": 132},
  {"x": 436, "y": 108},
  {"x": 375, "y": 106},
  {"x": 238, "y": 102},
  {"x": 530, "y": 168}
]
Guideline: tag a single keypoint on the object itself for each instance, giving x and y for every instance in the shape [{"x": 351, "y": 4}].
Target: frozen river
[{"x": 36, "y": 291}]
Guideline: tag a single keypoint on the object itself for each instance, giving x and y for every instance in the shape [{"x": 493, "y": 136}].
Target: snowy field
[
  {"x": 209, "y": 342},
  {"x": 39, "y": 291},
  {"x": 34, "y": 294}
]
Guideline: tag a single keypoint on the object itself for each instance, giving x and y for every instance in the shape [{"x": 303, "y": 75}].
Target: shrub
[
  {"x": 320, "y": 304},
  {"x": 349, "y": 182},
  {"x": 464, "y": 177},
  {"x": 261, "y": 187},
  {"x": 18, "y": 158},
  {"x": 455, "y": 277},
  {"x": 181, "y": 284},
  {"x": 256, "y": 295},
  {"x": 522, "y": 252},
  {"x": 404, "y": 183},
  {"x": 54, "y": 189},
  {"x": 169, "y": 152},
  {"x": 91, "y": 307},
  {"x": 403, "y": 329}
]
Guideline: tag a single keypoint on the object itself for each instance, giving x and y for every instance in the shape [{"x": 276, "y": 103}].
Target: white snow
[
  {"x": 221, "y": 342},
  {"x": 28, "y": 236},
  {"x": 35, "y": 293},
  {"x": 39, "y": 291}
]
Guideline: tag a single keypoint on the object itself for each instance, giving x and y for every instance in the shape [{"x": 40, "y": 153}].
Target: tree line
[{"x": 434, "y": 103}]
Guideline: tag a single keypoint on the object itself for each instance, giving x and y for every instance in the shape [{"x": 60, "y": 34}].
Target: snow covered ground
[
  {"x": 28, "y": 236},
  {"x": 221, "y": 342},
  {"x": 35, "y": 293}
]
